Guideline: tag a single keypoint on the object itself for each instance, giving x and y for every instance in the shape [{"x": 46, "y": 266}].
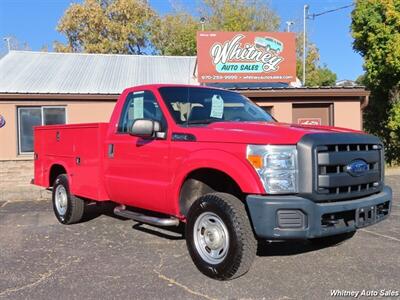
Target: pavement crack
[
  {"x": 174, "y": 282},
  {"x": 42, "y": 277},
  {"x": 381, "y": 235},
  {"x": 180, "y": 285}
]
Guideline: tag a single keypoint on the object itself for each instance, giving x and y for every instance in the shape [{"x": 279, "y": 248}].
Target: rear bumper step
[{"x": 123, "y": 212}]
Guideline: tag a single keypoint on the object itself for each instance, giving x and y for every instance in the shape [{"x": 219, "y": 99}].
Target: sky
[{"x": 34, "y": 22}]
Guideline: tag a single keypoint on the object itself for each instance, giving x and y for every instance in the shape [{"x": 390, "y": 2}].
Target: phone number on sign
[
  {"x": 247, "y": 77},
  {"x": 219, "y": 77}
]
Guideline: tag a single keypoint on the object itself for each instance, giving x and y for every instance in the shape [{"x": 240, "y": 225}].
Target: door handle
[{"x": 110, "y": 150}]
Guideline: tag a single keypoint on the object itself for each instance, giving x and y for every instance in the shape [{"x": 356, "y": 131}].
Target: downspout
[{"x": 364, "y": 104}]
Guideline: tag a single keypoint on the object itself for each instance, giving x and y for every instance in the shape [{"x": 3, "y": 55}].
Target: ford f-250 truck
[{"x": 212, "y": 159}]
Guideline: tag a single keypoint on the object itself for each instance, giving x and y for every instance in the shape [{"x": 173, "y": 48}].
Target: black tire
[
  {"x": 332, "y": 240},
  {"x": 74, "y": 205},
  {"x": 242, "y": 246}
]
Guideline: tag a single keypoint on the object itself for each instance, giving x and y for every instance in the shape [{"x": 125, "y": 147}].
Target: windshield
[{"x": 195, "y": 105}]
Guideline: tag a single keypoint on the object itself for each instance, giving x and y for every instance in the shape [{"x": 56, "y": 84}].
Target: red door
[{"x": 137, "y": 171}]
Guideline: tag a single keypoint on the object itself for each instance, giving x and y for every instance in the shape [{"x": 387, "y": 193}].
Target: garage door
[{"x": 313, "y": 114}]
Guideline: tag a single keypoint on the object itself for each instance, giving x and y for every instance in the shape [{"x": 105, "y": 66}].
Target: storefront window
[
  {"x": 28, "y": 117},
  {"x": 53, "y": 115}
]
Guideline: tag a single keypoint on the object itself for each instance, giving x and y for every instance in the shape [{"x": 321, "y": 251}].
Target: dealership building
[{"x": 39, "y": 88}]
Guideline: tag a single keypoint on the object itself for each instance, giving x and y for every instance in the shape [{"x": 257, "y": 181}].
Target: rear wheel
[
  {"x": 219, "y": 236},
  {"x": 67, "y": 208}
]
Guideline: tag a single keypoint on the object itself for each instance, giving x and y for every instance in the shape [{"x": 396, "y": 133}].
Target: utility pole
[
  {"x": 288, "y": 24},
  {"x": 7, "y": 39},
  {"x": 305, "y": 16}
]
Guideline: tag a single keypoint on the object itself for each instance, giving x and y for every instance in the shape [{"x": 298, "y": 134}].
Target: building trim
[
  {"x": 55, "y": 96},
  {"x": 272, "y": 95},
  {"x": 299, "y": 92}
]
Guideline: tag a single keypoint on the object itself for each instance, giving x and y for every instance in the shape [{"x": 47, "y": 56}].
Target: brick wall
[{"x": 15, "y": 178}]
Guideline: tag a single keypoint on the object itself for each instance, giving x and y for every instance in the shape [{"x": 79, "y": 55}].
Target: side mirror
[{"x": 145, "y": 128}]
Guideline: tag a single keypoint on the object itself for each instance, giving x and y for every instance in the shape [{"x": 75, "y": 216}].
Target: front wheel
[
  {"x": 219, "y": 236},
  {"x": 67, "y": 208}
]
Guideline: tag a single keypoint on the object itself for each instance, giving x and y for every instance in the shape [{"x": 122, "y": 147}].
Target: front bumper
[{"x": 291, "y": 217}]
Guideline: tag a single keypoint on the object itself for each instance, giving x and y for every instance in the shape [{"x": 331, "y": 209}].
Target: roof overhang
[
  {"x": 48, "y": 96},
  {"x": 305, "y": 92},
  {"x": 359, "y": 93}
]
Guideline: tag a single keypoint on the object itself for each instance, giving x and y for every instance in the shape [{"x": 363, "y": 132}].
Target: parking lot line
[
  {"x": 381, "y": 235},
  {"x": 4, "y": 204}
]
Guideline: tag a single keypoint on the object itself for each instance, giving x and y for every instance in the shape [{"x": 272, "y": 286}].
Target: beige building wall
[
  {"x": 89, "y": 112},
  {"x": 8, "y": 133},
  {"x": 282, "y": 111},
  {"x": 76, "y": 112},
  {"x": 347, "y": 115}
]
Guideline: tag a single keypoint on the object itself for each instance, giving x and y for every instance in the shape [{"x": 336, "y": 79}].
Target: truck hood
[{"x": 259, "y": 132}]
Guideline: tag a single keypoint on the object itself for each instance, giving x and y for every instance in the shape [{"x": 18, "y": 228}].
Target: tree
[
  {"x": 239, "y": 15},
  {"x": 44, "y": 48},
  {"x": 175, "y": 34},
  {"x": 15, "y": 44},
  {"x": 376, "y": 32},
  {"x": 106, "y": 26},
  {"x": 316, "y": 75},
  {"x": 132, "y": 27}
]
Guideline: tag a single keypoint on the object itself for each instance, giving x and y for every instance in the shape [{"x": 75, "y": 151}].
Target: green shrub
[{"x": 393, "y": 126}]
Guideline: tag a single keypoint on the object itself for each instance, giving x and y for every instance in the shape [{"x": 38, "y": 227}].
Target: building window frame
[{"x": 42, "y": 118}]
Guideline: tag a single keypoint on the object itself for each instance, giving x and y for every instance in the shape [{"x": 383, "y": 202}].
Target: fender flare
[
  {"x": 60, "y": 163},
  {"x": 237, "y": 169}
]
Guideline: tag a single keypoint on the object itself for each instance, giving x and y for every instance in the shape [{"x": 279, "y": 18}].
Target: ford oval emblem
[{"x": 357, "y": 167}]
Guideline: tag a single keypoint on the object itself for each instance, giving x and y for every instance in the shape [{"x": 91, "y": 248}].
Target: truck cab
[{"x": 211, "y": 159}]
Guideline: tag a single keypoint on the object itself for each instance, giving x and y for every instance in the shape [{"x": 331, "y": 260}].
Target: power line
[
  {"x": 329, "y": 11},
  {"x": 307, "y": 15}
]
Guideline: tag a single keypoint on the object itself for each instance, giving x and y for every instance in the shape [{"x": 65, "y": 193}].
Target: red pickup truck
[{"x": 212, "y": 159}]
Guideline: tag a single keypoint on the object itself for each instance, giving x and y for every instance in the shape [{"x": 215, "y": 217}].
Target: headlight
[{"x": 276, "y": 166}]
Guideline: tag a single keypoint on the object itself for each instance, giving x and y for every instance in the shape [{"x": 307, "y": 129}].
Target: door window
[{"x": 140, "y": 105}]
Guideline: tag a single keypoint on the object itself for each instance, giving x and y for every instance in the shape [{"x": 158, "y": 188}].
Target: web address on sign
[{"x": 247, "y": 77}]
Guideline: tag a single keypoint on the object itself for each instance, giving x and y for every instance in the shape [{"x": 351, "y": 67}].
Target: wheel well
[
  {"x": 204, "y": 181},
  {"x": 54, "y": 172}
]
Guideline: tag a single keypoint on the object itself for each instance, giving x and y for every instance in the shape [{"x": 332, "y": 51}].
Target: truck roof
[{"x": 160, "y": 85}]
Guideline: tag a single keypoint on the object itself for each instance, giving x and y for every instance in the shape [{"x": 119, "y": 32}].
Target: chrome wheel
[
  {"x": 211, "y": 238},
  {"x": 61, "y": 200}
]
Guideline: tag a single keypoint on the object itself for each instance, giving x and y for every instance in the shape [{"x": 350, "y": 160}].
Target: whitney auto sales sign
[{"x": 246, "y": 56}]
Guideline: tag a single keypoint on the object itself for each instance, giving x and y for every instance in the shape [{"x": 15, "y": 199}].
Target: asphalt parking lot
[{"x": 108, "y": 258}]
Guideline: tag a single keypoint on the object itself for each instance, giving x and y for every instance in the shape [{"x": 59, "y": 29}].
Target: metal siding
[{"x": 76, "y": 73}]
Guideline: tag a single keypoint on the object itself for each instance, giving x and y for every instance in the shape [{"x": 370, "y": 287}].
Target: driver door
[{"x": 137, "y": 170}]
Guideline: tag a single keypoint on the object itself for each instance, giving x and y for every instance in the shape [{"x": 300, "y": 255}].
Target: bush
[{"x": 393, "y": 126}]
